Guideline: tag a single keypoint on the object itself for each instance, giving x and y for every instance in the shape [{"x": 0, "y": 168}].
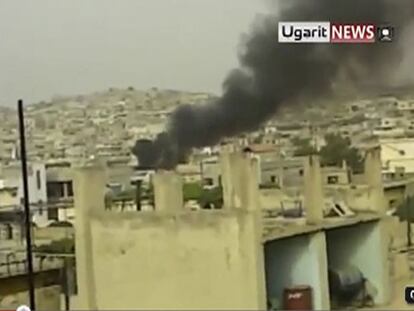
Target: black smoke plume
[{"x": 273, "y": 74}]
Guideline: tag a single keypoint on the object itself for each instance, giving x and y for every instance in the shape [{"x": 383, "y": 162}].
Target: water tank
[{"x": 346, "y": 282}]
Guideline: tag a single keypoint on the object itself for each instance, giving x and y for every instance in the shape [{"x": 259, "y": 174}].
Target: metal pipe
[
  {"x": 138, "y": 190},
  {"x": 26, "y": 201}
]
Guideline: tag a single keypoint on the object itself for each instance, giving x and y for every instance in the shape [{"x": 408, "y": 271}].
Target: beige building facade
[{"x": 172, "y": 258}]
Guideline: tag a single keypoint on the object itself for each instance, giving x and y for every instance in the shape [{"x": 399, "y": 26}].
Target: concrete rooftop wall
[
  {"x": 192, "y": 261},
  {"x": 168, "y": 258},
  {"x": 209, "y": 259},
  {"x": 313, "y": 191},
  {"x": 373, "y": 178},
  {"x": 240, "y": 180}
]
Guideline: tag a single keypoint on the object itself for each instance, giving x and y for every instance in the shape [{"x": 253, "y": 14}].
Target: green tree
[
  {"x": 303, "y": 146},
  {"x": 63, "y": 246},
  {"x": 339, "y": 149},
  {"x": 192, "y": 191}
]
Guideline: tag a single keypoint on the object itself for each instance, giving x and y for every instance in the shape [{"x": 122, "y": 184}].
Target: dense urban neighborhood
[{"x": 337, "y": 167}]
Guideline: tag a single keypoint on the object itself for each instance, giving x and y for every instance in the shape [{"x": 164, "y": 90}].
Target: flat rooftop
[{"x": 280, "y": 228}]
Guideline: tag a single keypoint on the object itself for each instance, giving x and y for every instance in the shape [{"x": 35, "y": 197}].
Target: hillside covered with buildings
[{"x": 322, "y": 179}]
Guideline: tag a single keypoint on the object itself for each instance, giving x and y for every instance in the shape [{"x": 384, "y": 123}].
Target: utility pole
[
  {"x": 26, "y": 202},
  {"x": 408, "y": 207},
  {"x": 67, "y": 282}
]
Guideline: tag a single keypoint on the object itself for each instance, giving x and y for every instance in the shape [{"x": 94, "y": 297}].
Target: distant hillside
[
  {"x": 386, "y": 90},
  {"x": 152, "y": 98}
]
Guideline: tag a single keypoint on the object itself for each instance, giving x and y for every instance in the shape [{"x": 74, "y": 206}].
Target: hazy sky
[{"x": 60, "y": 47}]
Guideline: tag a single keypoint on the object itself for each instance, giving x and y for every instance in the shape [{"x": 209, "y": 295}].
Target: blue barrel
[{"x": 346, "y": 282}]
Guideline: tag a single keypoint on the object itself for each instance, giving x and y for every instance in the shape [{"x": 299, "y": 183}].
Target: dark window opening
[
  {"x": 332, "y": 180},
  {"x": 38, "y": 180},
  {"x": 301, "y": 172},
  {"x": 273, "y": 179},
  {"x": 40, "y": 207},
  {"x": 55, "y": 190},
  {"x": 9, "y": 232},
  {"x": 70, "y": 188},
  {"x": 208, "y": 206},
  {"x": 52, "y": 213}
]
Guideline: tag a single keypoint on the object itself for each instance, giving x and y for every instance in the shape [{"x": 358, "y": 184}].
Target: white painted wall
[
  {"x": 13, "y": 177},
  {"x": 38, "y": 194}
]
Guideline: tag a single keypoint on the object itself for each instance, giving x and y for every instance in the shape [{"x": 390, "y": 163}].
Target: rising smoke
[{"x": 272, "y": 75}]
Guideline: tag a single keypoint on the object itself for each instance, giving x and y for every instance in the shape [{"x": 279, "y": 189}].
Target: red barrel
[{"x": 298, "y": 298}]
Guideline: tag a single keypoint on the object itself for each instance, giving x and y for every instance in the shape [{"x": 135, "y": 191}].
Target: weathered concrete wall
[
  {"x": 10, "y": 232},
  {"x": 47, "y": 299},
  {"x": 211, "y": 170},
  {"x": 313, "y": 191},
  {"x": 168, "y": 258},
  {"x": 400, "y": 269},
  {"x": 197, "y": 260},
  {"x": 59, "y": 174},
  {"x": 120, "y": 174},
  {"x": 74, "y": 302},
  {"x": 7, "y": 198},
  {"x": 89, "y": 190},
  {"x": 240, "y": 180},
  {"x": 168, "y": 191},
  {"x": 398, "y": 232},
  {"x": 373, "y": 178},
  {"x": 357, "y": 198},
  {"x": 364, "y": 246},
  {"x": 271, "y": 199},
  {"x": 288, "y": 263},
  {"x": 52, "y": 233}
]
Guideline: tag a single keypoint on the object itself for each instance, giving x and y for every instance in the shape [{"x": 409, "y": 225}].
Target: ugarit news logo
[{"x": 330, "y": 32}]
